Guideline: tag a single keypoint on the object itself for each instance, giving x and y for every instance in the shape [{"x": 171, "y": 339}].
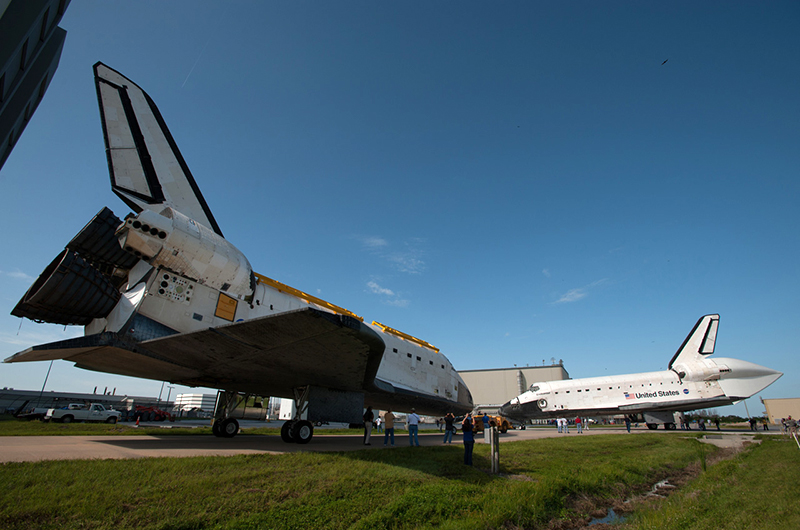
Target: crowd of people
[
  {"x": 386, "y": 424},
  {"x": 580, "y": 424}
]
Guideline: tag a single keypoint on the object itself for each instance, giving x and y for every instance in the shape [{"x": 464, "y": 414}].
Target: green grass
[
  {"x": 758, "y": 488},
  {"x": 10, "y": 426},
  {"x": 425, "y": 487}
]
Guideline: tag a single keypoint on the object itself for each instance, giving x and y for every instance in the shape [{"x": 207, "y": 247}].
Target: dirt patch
[{"x": 627, "y": 502}]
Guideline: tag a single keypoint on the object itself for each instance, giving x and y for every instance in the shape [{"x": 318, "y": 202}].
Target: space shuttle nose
[{"x": 511, "y": 409}]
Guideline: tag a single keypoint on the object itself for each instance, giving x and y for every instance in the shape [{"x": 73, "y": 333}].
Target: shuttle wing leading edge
[{"x": 146, "y": 166}]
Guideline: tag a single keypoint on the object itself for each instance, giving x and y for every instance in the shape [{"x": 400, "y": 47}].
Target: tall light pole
[{"x": 39, "y": 401}]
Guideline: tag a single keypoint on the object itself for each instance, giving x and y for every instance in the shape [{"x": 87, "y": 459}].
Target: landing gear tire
[
  {"x": 229, "y": 428},
  {"x": 652, "y": 426},
  {"x": 286, "y": 432},
  {"x": 215, "y": 428},
  {"x": 670, "y": 426},
  {"x": 302, "y": 431}
]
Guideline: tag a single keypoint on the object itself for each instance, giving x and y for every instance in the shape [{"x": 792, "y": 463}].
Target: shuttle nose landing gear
[
  {"x": 298, "y": 430},
  {"x": 227, "y": 428},
  {"x": 224, "y": 426}
]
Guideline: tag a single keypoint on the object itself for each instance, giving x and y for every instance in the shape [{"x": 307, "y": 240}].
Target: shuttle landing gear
[
  {"x": 224, "y": 426},
  {"x": 298, "y": 430}
]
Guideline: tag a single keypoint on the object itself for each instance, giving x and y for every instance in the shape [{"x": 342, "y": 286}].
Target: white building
[{"x": 204, "y": 402}]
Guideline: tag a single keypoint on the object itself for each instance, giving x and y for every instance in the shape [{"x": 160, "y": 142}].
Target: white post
[{"x": 494, "y": 449}]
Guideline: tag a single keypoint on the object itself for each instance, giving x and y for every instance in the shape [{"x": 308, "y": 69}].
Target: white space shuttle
[
  {"x": 163, "y": 295},
  {"x": 692, "y": 381}
]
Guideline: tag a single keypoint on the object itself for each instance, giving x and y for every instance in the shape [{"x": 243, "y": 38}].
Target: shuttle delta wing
[
  {"x": 147, "y": 168},
  {"x": 268, "y": 354}
]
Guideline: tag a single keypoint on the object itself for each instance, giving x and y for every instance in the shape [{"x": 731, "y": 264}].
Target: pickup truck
[{"x": 78, "y": 412}]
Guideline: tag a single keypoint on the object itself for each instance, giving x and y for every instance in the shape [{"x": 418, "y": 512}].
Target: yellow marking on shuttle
[
  {"x": 406, "y": 336},
  {"x": 305, "y": 296},
  {"x": 226, "y": 307}
]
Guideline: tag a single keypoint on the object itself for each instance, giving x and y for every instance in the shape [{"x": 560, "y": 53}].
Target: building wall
[
  {"x": 778, "y": 409},
  {"x": 492, "y": 388}
]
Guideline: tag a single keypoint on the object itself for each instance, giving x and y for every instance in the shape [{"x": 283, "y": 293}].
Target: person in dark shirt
[
  {"x": 469, "y": 439},
  {"x": 448, "y": 428}
]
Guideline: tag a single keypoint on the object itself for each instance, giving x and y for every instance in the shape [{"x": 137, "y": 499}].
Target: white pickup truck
[{"x": 79, "y": 412}]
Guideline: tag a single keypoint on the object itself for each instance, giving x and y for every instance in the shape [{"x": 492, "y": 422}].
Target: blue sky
[{"x": 510, "y": 181}]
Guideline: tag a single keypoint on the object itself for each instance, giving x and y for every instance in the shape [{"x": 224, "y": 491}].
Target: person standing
[
  {"x": 388, "y": 419},
  {"x": 469, "y": 439},
  {"x": 560, "y": 425},
  {"x": 413, "y": 428},
  {"x": 579, "y": 425},
  {"x": 369, "y": 417},
  {"x": 628, "y": 424},
  {"x": 448, "y": 428}
]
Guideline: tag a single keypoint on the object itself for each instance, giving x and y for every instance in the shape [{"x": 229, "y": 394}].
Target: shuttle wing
[
  {"x": 147, "y": 168},
  {"x": 269, "y": 354}
]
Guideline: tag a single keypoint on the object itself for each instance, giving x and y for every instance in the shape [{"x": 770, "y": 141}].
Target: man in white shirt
[{"x": 413, "y": 428}]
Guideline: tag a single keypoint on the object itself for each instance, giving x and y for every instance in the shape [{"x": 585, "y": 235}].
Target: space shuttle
[
  {"x": 163, "y": 295},
  {"x": 694, "y": 380}
]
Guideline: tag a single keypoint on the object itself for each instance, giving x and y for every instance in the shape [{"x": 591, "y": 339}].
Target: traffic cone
[{"x": 137, "y": 420}]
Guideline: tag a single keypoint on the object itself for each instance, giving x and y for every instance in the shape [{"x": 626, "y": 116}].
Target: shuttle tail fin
[
  {"x": 700, "y": 341},
  {"x": 147, "y": 168}
]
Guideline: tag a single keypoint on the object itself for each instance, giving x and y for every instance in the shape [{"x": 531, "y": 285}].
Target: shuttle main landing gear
[{"x": 298, "y": 430}]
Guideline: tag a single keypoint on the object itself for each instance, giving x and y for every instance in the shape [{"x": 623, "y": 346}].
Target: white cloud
[
  {"x": 406, "y": 260},
  {"x": 377, "y": 289},
  {"x": 373, "y": 242},
  {"x": 390, "y": 297},
  {"x": 398, "y": 303},
  {"x": 546, "y": 272},
  {"x": 17, "y": 275},
  {"x": 573, "y": 295}
]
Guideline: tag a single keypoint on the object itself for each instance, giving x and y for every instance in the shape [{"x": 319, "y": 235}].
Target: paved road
[{"x": 37, "y": 448}]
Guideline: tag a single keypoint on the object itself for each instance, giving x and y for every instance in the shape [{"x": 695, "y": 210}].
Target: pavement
[{"x": 39, "y": 448}]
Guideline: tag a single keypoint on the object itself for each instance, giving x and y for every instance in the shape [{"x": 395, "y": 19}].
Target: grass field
[
  {"x": 12, "y": 427},
  {"x": 758, "y": 489},
  {"x": 548, "y": 483}
]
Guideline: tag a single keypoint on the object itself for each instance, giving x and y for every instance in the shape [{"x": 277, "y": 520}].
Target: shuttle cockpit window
[{"x": 534, "y": 388}]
